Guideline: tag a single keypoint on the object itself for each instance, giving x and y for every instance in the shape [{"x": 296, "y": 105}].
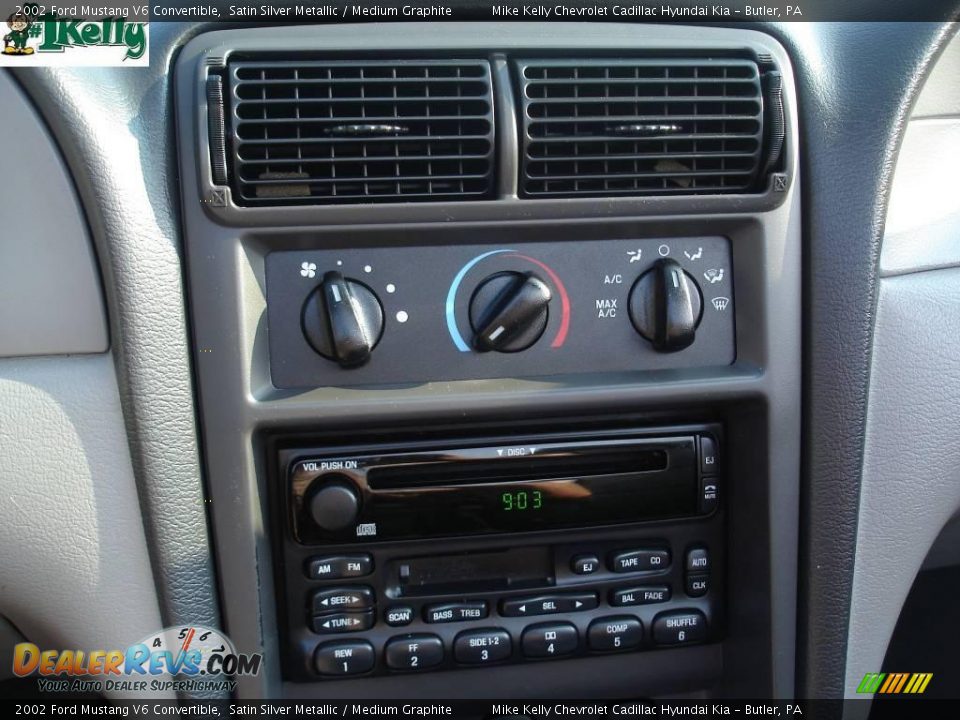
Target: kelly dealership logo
[
  {"x": 199, "y": 658},
  {"x": 52, "y": 35}
]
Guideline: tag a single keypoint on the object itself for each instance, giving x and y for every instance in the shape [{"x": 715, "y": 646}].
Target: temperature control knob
[
  {"x": 336, "y": 504},
  {"x": 509, "y": 311},
  {"x": 343, "y": 320},
  {"x": 665, "y": 306}
]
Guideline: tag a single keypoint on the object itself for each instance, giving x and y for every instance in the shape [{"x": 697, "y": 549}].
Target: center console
[{"x": 497, "y": 340}]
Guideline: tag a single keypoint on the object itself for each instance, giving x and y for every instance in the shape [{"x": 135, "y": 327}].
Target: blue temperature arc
[{"x": 452, "y": 296}]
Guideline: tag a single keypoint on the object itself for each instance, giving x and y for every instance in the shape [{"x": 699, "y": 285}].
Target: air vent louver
[
  {"x": 338, "y": 132},
  {"x": 639, "y": 127}
]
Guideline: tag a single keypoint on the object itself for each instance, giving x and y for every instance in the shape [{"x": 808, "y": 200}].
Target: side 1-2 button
[{"x": 479, "y": 647}]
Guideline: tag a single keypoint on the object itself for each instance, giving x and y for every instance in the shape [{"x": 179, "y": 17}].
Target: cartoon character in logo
[{"x": 15, "y": 42}]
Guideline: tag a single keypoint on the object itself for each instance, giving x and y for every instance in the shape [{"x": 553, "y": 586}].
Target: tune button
[
  {"x": 549, "y": 640},
  {"x": 480, "y": 647},
  {"x": 343, "y": 622},
  {"x": 414, "y": 652},
  {"x": 610, "y": 634},
  {"x": 346, "y": 657}
]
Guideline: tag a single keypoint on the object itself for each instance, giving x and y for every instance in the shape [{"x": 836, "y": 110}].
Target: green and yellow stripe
[{"x": 895, "y": 683}]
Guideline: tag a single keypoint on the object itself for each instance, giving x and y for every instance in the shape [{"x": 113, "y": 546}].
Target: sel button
[
  {"x": 615, "y": 633},
  {"x": 350, "y": 657},
  {"x": 476, "y": 647}
]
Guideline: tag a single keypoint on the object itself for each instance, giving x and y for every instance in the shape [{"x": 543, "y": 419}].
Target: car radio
[{"x": 435, "y": 555}]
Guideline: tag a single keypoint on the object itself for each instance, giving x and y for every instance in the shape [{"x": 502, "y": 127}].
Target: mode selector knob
[
  {"x": 509, "y": 311},
  {"x": 335, "y": 504},
  {"x": 343, "y": 320},
  {"x": 665, "y": 306}
]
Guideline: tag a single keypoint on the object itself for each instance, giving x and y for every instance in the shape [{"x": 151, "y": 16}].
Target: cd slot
[{"x": 550, "y": 465}]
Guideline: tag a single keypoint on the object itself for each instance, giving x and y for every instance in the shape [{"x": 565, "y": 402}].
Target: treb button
[{"x": 455, "y": 612}]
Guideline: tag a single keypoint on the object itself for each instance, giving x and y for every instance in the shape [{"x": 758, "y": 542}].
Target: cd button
[
  {"x": 349, "y": 657},
  {"x": 640, "y": 560},
  {"x": 398, "y": 616},
  {"x": 640, "y": 595},
  {"x": 343, "y": 598},
  {"x": 455, "y": 612},
  {"x": 414, "y": 652},
  {"x": 478, "y": 647},
  {"x": 615, "y": 633},
  {"x": 549, "y": 640},
  {"x": 343, "y": 622},
  {"x": 548, "y": 604}
]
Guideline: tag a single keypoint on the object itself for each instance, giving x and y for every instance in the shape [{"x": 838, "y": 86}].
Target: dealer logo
[{"x": 36, "y": 36}]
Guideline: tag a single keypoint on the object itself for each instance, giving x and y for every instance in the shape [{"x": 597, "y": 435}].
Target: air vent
[
  {"x": 332, "y": 132},
  {"x": 640, "y": 127}
]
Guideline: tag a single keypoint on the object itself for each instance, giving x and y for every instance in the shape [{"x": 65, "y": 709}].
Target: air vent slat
[
  {"x": 331, "y": 131},
  {"x": 640, "y": 126}
]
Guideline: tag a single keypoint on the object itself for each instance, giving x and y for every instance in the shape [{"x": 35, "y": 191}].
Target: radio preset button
[
  {"x": 455, "y": 612},
  {"x": 697, "y": 585},
  {"x": 414, "y": 652},
  {"x": 548, "y": 604},
  {"x": 678, "y": 628},
  {"x": 623, "y": 632},
  {"x": 549, "y": 640},
  {"x": 347, "y": 657},
  {"x": 398, "y": 616},
  {"x": 646, "y": 595},
  {"x": 639, "y": 560},
  {"x": 585, "y": 564},
  {"x": 343, "y": 622},
  {"x": 338, "y": 567},
  {"x": 479, "y": 647},
  {"x": 342, "y": 598}
]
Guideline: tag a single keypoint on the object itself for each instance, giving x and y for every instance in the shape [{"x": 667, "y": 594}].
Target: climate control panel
[{"x": 359, "y": 316}]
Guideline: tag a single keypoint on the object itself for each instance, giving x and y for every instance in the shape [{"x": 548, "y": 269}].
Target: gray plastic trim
[
  {"x": 50, "y": 297},
  {"x": 226, "y": 274},
  {"x": 911, "y": 467},
  {"x": 74, "y": 560}
]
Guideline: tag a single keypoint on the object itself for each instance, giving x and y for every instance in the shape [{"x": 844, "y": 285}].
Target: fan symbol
[{"x": 308, "y": 269}]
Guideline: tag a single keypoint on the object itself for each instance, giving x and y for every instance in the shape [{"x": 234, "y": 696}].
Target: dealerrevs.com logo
[
  {"x": 199, "y": 659},
  {"x": 35, "y": 34}
]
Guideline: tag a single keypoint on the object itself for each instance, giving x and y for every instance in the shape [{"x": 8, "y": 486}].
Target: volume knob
[{"x": 336, "y": 504}]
